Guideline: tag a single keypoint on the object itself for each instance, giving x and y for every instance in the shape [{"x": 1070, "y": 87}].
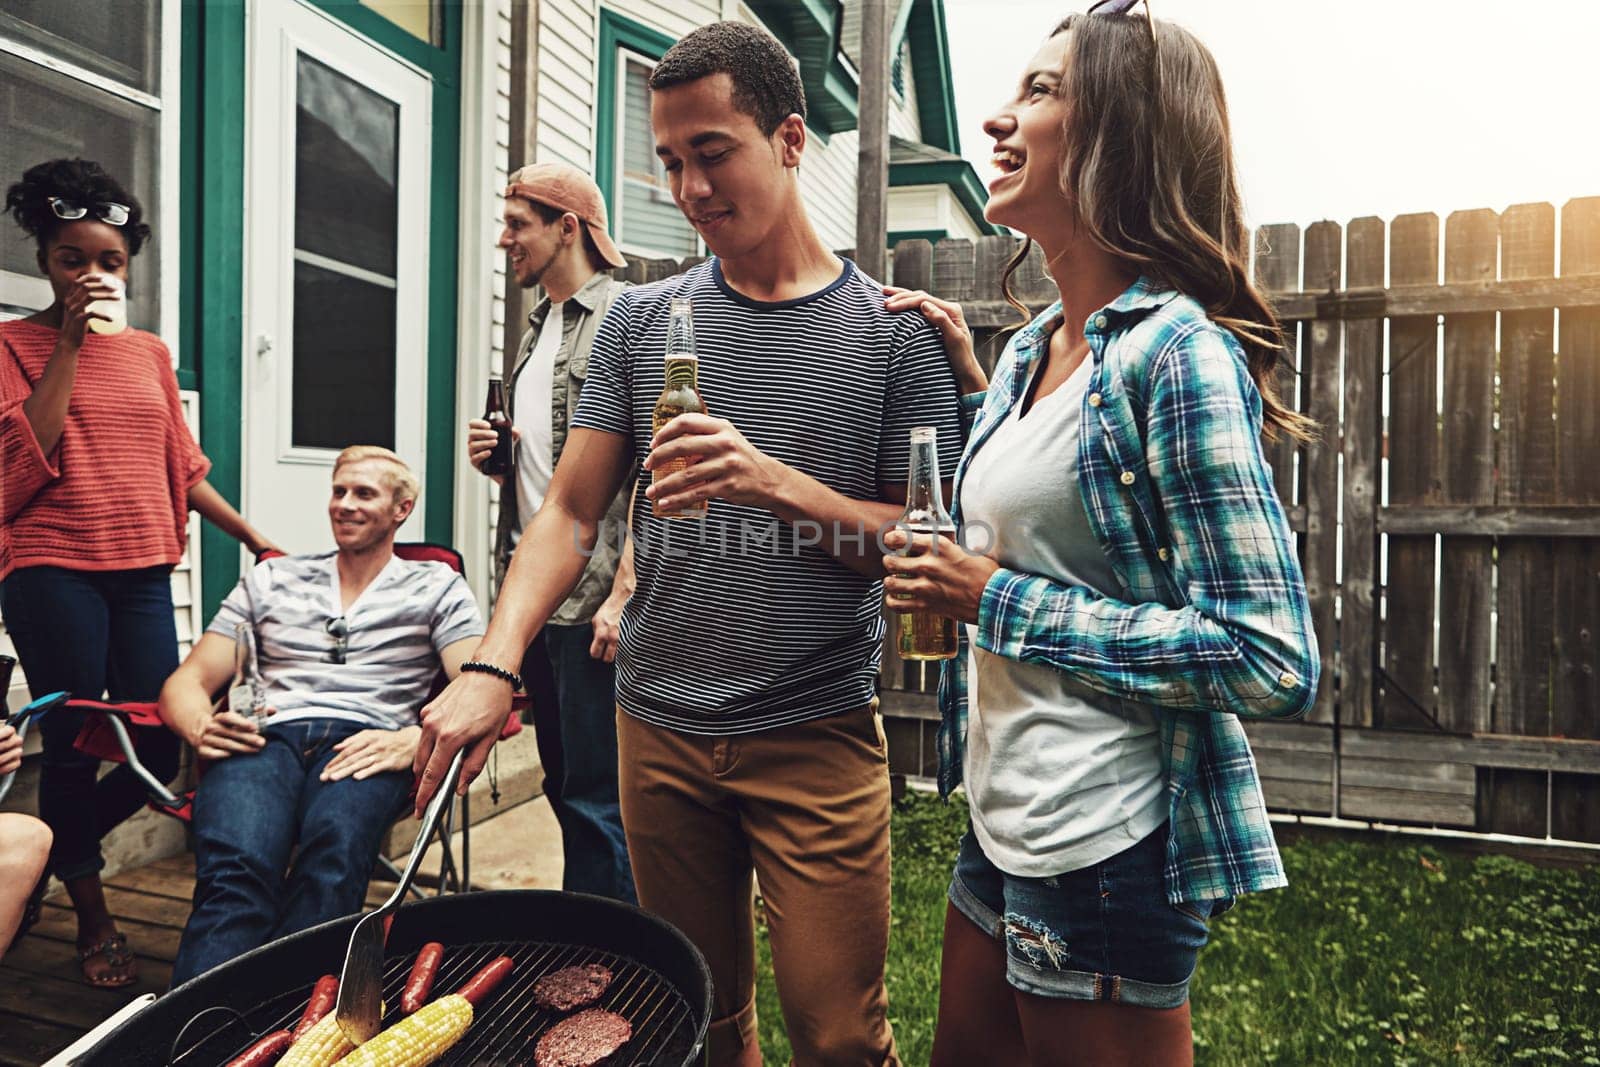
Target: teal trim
[
  {"x": 187, "y": 262},
  {"x": 616, "y": 31},
  {"x": 211, "y": 162},
  {"x": 959, "y": 176},
  {"x": 931, "y": 236},
  {"x": 809, "y": 29},
  {"x": 443, "y": 268},
  {"x": 930, "y": 69}
]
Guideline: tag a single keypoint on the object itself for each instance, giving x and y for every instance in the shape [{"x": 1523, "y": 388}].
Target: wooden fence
[{"x": 1448, "y": 519}]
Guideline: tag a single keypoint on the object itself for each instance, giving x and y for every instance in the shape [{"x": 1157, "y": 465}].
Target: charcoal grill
[{"x": 661, "y": 984}]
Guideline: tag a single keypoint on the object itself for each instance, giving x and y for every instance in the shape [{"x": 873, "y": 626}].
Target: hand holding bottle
[
  {"x": 482, "y": 438},
  {"x": 227, "y": 733},
  {"x": 10, "y": 749},
  {"x": 934, "y": 574}
]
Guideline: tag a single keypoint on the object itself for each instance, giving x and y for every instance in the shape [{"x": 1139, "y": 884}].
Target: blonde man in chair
[{"x": 349, "y": 644}]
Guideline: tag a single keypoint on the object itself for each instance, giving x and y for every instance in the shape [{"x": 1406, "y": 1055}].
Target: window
[
  {"x": 346, "y": 232},
  {"x": 82, "y": 78},
  {"x": 646, "y": 222}
]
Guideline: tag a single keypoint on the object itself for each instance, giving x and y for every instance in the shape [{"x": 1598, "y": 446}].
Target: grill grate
[{"x": 505, "y": 1031}]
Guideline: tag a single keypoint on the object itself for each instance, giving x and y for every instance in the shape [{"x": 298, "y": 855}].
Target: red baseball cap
[{"x": 566, "y": 188}]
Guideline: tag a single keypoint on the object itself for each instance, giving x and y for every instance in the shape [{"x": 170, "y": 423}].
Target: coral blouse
[{"x": 113, "y": 495}]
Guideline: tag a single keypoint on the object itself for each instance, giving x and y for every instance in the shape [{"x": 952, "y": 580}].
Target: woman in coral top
[{"x": 99, "y": 473}]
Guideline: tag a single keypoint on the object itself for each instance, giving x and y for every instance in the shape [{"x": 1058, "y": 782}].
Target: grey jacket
[{"x": 579, "y": 321}]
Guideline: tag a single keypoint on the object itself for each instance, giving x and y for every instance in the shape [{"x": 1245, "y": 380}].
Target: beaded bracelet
[{"x": 499, "y": 672}]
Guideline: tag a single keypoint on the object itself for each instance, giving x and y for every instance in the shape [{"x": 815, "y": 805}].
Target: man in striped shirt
[
  {"x": 349, "y": 643},
  {"x": 748, "y": 732}
]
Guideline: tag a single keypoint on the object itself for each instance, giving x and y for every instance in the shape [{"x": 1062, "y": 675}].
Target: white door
[{"x": 336, "y": 278}]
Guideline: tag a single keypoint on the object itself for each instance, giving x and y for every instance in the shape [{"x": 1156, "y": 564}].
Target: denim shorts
[{"x": 1105, "y": 932}]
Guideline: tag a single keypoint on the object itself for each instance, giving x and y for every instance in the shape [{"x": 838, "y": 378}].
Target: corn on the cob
[
  {"x": 321, "y": 1045},
  {"x": 418, "y": 1040}
]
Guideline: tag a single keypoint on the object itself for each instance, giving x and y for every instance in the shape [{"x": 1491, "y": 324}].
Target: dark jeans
[
  {"x": 575, "y": 727},
  {"x": 92, "y": 633},
  {"x": 250, "y": 814}
]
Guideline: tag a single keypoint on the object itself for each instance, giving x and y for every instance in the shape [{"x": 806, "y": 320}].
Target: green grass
[{"x": 1381, "y": 952}]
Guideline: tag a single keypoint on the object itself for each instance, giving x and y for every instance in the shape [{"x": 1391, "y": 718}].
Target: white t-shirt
[
  {"x": 1059, "y": 776},
  {"x": 534, "y": 395}
]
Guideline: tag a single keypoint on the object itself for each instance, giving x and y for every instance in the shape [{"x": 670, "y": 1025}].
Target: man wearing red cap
[{"x": 555, "y": 237}]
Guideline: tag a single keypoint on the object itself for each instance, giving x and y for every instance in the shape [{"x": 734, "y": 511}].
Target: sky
[{"x": 1360, "y": 107}]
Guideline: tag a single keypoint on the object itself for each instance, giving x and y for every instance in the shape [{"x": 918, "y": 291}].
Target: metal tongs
[{"x": 360, "y": 1006}]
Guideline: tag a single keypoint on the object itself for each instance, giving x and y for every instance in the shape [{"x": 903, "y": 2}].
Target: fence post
[
  {"x": 1362, "y": 430},
  {"x": 1575, "y": 699},
  {"x": 1413, "y": 450},
  {"x": 1322, "y": 459},
  {"x": 1471, "y": 250}
]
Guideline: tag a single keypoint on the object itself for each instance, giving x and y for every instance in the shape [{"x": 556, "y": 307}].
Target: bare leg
[
  {"x": 24, "y": 850},
  {"x": 110, "y": 968},
  {"x": 1103, "y": 1033},
  {"x": 978, "y": 1021}
]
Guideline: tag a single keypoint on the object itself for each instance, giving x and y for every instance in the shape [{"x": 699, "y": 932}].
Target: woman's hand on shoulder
[{"x": 947, "y": 317}]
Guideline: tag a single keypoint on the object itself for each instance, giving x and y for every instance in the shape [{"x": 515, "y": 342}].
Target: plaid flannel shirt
[{"x": 1217, "y": 623}]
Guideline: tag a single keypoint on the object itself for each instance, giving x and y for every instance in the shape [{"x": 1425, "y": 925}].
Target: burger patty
[
  {"x": 586, "y": 1039},
  {"x": 572, "y": 987}
]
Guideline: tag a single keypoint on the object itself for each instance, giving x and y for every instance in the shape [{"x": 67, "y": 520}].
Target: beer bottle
[
  {"x": 496, "y": 415},
  {"x": 923, "y": 634},
  {"x": 679, "y": 394},
  {"x": 244, "y": 694}
]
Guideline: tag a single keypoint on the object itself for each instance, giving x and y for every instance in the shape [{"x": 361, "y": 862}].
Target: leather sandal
[{"x": 117, "y": 956}]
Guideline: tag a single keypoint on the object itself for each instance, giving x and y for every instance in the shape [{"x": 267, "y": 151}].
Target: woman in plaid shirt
[{"x": 1127, "y": 580}]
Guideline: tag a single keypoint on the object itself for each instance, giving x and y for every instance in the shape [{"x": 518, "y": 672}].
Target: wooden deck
[{"x": 44, "y": 1003}]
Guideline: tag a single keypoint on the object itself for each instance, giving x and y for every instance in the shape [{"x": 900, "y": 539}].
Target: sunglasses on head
[
  {"x": 107, "y": 212},
  {"x": 1122, "y": 7}
]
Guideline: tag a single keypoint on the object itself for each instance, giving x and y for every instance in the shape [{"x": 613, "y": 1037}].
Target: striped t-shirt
[
  {"x": 397, "y": 627},
  {"x": 740, "y": 622}
]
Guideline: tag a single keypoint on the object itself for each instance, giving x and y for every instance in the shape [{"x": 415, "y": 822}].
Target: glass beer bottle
[
  {"x": 679, "y": 395},
  {"x": 496, "y": 415},
  {"x": 923, "y": 634},
  {"x": 245, "y": 696}
]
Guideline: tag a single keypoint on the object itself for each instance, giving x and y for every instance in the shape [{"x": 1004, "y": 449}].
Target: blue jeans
[
  {"x": 575, "y": 726},
  {"x": 251, "y": 812},
  {"x": 1105, "y": 932},
  {"x": 92, "y": 633}
]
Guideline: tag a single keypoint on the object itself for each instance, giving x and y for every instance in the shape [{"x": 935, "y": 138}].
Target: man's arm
[
  {"x": 549, "y": 560},
  {"x": 185, "y": 703},
  {"x": 453, "y": 655},
  {"x": 607, "y": 621}
]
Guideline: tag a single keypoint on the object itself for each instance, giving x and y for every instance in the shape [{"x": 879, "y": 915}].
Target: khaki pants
[{"x": 806, "y": 808}]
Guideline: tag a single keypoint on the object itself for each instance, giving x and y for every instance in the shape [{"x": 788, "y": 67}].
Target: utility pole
[{"x": 872, "y": 174}]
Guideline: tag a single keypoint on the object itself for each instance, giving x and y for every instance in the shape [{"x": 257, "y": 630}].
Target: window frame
[
  {"x": 624, "y": 56},
  {"x": 30, "y": 289}
]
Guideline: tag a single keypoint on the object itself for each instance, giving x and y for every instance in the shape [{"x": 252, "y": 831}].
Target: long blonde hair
[{"x": 1148, "y": 166}]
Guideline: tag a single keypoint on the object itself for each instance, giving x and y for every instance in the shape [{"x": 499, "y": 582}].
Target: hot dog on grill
[
  {"x": 323, "y": 996},
  {"x": 420, "y": 982},
  {"x": 480, "y": 985},
  {"x": 265, "y": 1051}
]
